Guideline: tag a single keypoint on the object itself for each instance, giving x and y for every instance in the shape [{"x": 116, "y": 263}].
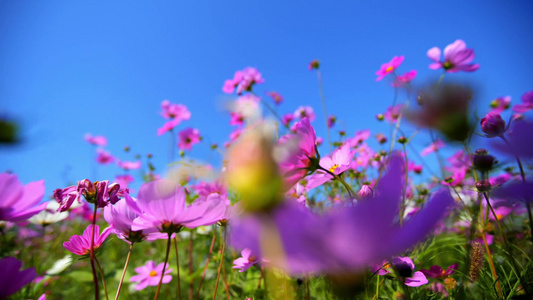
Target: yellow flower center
[
  {"x": 153, "y": 273},
  {"x": 332, "y": 169},
  {"x": 389, "y": 69}
]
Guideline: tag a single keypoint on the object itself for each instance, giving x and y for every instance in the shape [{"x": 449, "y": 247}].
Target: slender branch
[
  {"x": 206, "y": 263},
  {"x": 91, "y": 250},
  {"x": 191, "y": 266},
  {"x": 124, "y": 271},
  {"x": 323, "y": 100},
  {"x": 223, "y": 238},
  {"x": 102, "y": 275},
  {"x": 164, "y": 266},
  {"x": 177, "y": 265},
  {"x": 338, "y": 178}
]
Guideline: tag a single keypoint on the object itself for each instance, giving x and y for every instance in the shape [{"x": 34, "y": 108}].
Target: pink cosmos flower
[
  {"x": 438, "y": 272},
  {"x": 96, "y": 140},
  {"x": 405, "y": 268},
  {"x": 149, "y": 275},
  {"x": 500, "y": 104},
  {"x": 12, "y": 278},
  {"x": 81, "y": 244},
  {"x": 359, "y": 138},
  {"x": 165, "y": 210},
  {"x": 174, "y": 111},
  {"x": 287, "y": 119},
  {"x": 168, "y": 126},
  {"x": 393, "y": 112},
  {"x": 402, "y": 80},
  {"x": 104, "y": 157},
  {"x": 493, "y": 125},
  {"x": 389, "y": 67},
  {"x": 365, "y": 192},
  {"x": 188, "y": 137},
  {"x": 456, "y": 58},
  {"x": 129, "y": 165},
  {"x": 305, "y": 112},
  {"x": 276, "y": 97},
  {"x": 527, "y": 100},
  {"x": 124, "y": 180},
  {"x": 338, "y": 162},
  {"x": 236, "y": 119},
  {"x": 18, "y": 202},
  {"x": 246, "y": 261},
  {"x": 100, "y": 192},
  {"x": 243, "y": 81},
  {"x": 331, "y": 121},
  {"x": 438, "y": 144}
]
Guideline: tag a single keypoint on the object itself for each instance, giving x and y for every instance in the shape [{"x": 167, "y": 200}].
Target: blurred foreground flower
[
  {"x": 49, "y": 215},
  {"x": 11, "y": 278},
  {"x": 149, "y": 275},
  {"x": 81, "y": 244},
  {"x": 18, "y": 202}
]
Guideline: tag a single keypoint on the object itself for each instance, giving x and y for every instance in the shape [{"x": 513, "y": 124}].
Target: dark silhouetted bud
[
  {"x": 483, "y": 186},
  {"x": 483, "y": 161}
]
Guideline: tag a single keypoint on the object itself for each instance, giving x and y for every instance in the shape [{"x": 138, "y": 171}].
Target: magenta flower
[
  {"x": 174, "y": 111},
  {"x": 246, "y": 261},
  {"x": 456, "y": 58},
  {"x": 168, "y": 126},
  {"x": 402, "y": 80},
  {"x": 104, "y": 157},
  {"x": 100, "y": 193},
  {"x": 11, "y": 278},
  {"x": 336, "y": 164},
  {"x": 365, "y": 192},
  {"x": 163, "y": 203},
  {"x": 393, "y": 112},
  {"x": 81, "y": 244},
  {"x": 287, "y": 119},
  {"x": 389, "y": 67},
  {"x": 493, "y": 125},
  {"x": 305, "y": 112},
  {"x": 527, "y": 100},
  {"x": 438, "y": 144},
  {"x": 124, "y": 180},
  {"x": 500, "y": 104},
  {"x": 18, "y": 202},
  {"x": 243, "y": 80},
  {"x": 188, "y": 137},
  {"x": 149, "y": 275},
  {"x": 276, "y": 97},
  {"x": 359, "y": 138},
  {"x": 304, "y": 158},
  {"x": 406, "y": 269},
  {"x": 96, "y": 140},
  {"x": 236, "y": 119},
  {"x": 129, "y": 165},
  {"x": 438, "y": 272}
]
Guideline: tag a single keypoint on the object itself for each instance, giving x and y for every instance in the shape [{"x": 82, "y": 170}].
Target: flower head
[
  {"x": 174, "y": 111},
  {"x": 493, "y": 125},
  {"x": 104, "y": 157},
  {"x": 276, "y": 97},
  {"x": 305, "y": 112},
  {"x": 336, "y": 164},
  {"x": 314, "y": 65},
  {"x": 500, "y": 104},
  {"x": 456, "y": 58},
  {"x": 98, "y": 140},
  {"x": 18, "y": 202},
  {"x": 121, "y": 215},
  {"x": 246, "y": 260},
  {"x": 527, "y": 103},
  {"x": 81, "y": 244},
  {"x": 150, "y": 274},
  {"x": 438, "y": 272},
  {"x": 188, "y": 137},
  {"x": 99, "y": 192},
  {"x": 12, "y": 278},
  {"x": 389, "y": 67},
  {"x": 49, "y": 215},
  {"x": 438, "y": 144},
  {"x": 402, "y": 80},
  {"x": 243, "y": 80}
]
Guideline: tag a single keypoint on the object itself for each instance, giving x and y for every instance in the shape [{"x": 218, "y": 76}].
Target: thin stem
[
  {"x": 338, "y": 178},
  {"x": 308, "y": 292},
  {"x": 102, "y": 275},
  {"x": 124, "y": 271},
  {"x": 440, "y": 80},
  {"x": 206, "y": 263},
  {"x": 191, "y": 283},
  {"x": 491, "y": 263},
  {"x": 177, "y": 265},
  {"x": 171, "y": 150},
  {"x": 164, "y": 267},
  {"x": 95, "y": 277},
  {"x": 321, "y": 91},
  {"x": 260, "y": 277},
  {"x": 225, "y": 281},
  {"x": 223, "y": 238},
  {"x": 439, "y": 158},
  {"x": 402, "y": 208}
]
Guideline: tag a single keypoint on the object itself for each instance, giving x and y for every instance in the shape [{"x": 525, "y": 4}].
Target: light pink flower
[
  {"x": 438, "y": 144},
  {"x": 188, "y": 137},
  {"x": 456, "y": 58},
  {"x": 393, "y": 112},
  {"x": 246, "y": 261},
  {"x": 168, "y": 126},
  {"x": 243, "y": 81},
  {"x": 104, "y": 157},
  {"x": 81, "y": 244},
  {"x": 527, "y": 100},
  {"x": 305, "y": 112},
  {"x": 149, "y": 275},
  {"x": 402, "y": 80},
  {"x": 96, "y": 140},
  {"x": 276, "y": 97},
  {"x": 287, "y": 119},
  {"x": 359, "y": 138},
  {"x": 129, "y": 165},
  {"x": 338, "y": 162},
  {"x": 18, "y": 202},
  {"x": 389, "y": 67},
  {"x": 124, "y": 180},
  {"x": 174, "y": 111}
]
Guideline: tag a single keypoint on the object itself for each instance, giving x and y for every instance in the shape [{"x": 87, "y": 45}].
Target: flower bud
[
  {"x": 365, "y": 192},
  {"x": 402, "y": 140},
  {"x": 380, "y": 117},
  {"x": 382, "y": 139},
  {"x": 314, "y": 65},
  {"x": 493, "y": 125},
  {"x": 483, "y": 161},
  {"x": 483, "y": 186}
]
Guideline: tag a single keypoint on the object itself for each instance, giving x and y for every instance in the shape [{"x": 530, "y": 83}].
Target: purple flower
[
  {"x": 18, "y": 202},
  {"x": 11, "y": 278},
  {"x": 163, "y": 203},
  {"x": 493, "y": 125},
  {"x": 406, "y": 269},
  {"x": 100, "y": 193},
  {"x": 81, "y": 244},
  {"x": 149, "y": 275},
  {"x": 519, "y": 140},
  {"x": 438, "y": 272},
  {"x": 246, "y": 261},
  {"x": 527, "y": 100},
  {"x": 456, "y": 58},
  {"x": 389, "y": 67}
]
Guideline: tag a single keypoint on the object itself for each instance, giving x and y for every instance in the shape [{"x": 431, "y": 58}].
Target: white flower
[{"x": 49, "y": 215}]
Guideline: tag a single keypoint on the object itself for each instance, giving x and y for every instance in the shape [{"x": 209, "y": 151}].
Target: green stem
[
  {"x": 91, "y": 250},
  {"x": 323, "y": 100},
  {"x": 223, "y": 238},
  {"x": 338, "y": 178},
  {"x": 124, "y": 271},
  {"x": 164, "y": 267},
  {"x": 102, "y": 275},
  {"x": 177, "y": 265},
  {"x": 206, "y": 263}
]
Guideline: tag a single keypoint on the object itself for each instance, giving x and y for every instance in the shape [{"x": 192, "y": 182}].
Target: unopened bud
[
  {"x": 365, "y": 192},
  {"x": 483, "y": 161},
  {"x": 402, "y": 140},
  {"x": 493, "y": 125},
  {"x": 483, "y": 186},
  {"x": 380, "y": 117}
]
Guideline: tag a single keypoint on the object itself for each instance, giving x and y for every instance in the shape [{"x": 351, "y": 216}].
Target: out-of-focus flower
[
  {"x": 527, "y": 103},
  {"x": 246, "y": 260},
  {"x": 438, "y": 272},
  {"x": 129, "y": 165},
  {"x": 49, "y": 215},
  {"x": 456, "y": 58},
  {"x": 60, "y": 265},
  {"x": 389, "y": 67},
  {"x": 331, "y": 121},
  {"x": 393, "y": 112},
  {"x": 519, "y": 140},
  {"x": 365, "y": 192},
  {"x": 406, "y": 269},
  {"x": 12, "y": 278},
  {"x": 336, "y": 164},
  {"x": 18, "y": 202},
  {"x": 305, "y": 112},
  {"x": 359, "y": 138},
  {"x": 174, "y": 111},
  {"x": 402, "y": 80},
  {"x": 287, "y": 119},
  {"x": 276, "y": 97},
  {"x": 302, "y": 156},
  {"x": 81, "y": 244},
  {"x": 100, "y": 193},
  {"x": 104, "y": 157},
  {"x": 163, "y": 203},
  {"x": 96, "y": 140},
  {"x": 500, "y": 104},
  {"x": 438, "y": 144},
  {"x": 314, "y": 65},
  {"x": 150, "y": 274},
  {"x": 124, "y": 180},
  {"x": 243, "y": 80},
  {"x": 493, "y": 125},
  {"x": 188, "y": 137}
]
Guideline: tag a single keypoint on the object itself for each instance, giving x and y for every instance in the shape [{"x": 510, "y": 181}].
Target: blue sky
[{"x": 72, "y": 67}]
